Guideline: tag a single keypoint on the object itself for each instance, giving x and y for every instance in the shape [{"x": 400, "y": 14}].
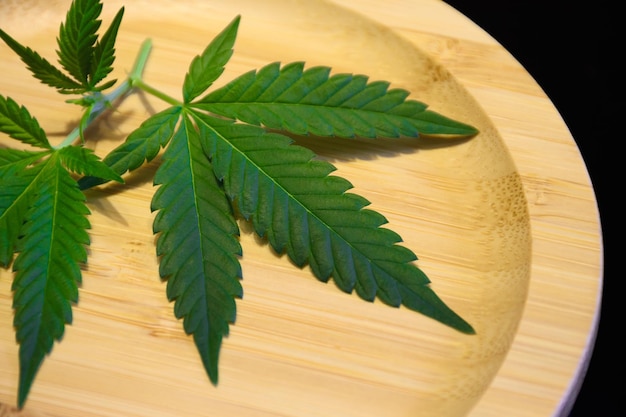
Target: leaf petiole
[{"x": 138, "y": 83}]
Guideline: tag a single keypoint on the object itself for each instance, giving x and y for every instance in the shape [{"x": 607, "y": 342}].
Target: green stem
[
  {"x": 95, "y": 110},
  {"x": 136, "y": 76},
  {"x": 140, "y": 62},
  {"x": 154, "y": 92}
]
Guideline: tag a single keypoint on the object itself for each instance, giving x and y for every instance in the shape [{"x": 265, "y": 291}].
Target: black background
[{"x": 572, "y": 51}]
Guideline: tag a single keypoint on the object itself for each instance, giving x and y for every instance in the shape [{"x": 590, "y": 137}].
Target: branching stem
[{"x": 103, "y": 102}]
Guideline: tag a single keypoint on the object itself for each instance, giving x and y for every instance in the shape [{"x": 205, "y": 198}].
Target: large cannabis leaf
[
  {"x": 219, "y": 161},
  {"x": 212, "y": 161}
]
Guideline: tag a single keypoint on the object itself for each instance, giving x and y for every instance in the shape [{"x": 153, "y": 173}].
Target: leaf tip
[
  {"x": 28, "y": 372},
  {"x": 466, "y": 328}
]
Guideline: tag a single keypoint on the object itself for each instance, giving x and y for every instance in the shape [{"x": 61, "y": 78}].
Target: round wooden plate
[{"x": 505, "y": 225}]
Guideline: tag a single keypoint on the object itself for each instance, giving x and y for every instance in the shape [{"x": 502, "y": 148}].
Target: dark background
[{"x": 572, "y": 51}]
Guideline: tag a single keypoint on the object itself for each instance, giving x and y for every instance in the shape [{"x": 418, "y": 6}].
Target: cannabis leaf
[
  {"x": 77, "y": 37},
  {"x": 304, "y": 211},
  {"x": 86, "y": 60},
  {"x": 47, "y": 266},
  {"x": 41, "y": 68},
  {"x": 208, "y": 66},
  {"x": 45, "y": 215},
  {"x": 104, "y": 55},
  {"x": 213, "y": 162},
  {"x": 197, "y": 244},
  {"x": 17, "y": 122},
  {"x": 223, "y": 157},
  {"x": 313, "y": 102}
]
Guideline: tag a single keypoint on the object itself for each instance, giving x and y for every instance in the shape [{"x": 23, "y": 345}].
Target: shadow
[
  {"x": 102, "y": 127},
  {"x": 359, "y": 148},
  {"x": 97, "y": 201},
  {"x": 246, "y": 227},
  {"x": 136, "y": 178}
]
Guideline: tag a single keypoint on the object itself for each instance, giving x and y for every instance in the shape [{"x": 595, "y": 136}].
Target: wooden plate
[{"x": 505, "y": 225}]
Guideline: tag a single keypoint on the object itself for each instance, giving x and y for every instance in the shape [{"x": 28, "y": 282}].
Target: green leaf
[
  {"x": 42, "y": 69},
  {"x": 142, "y": 145},
  {"x": 47, "y": 267},
  {"x": 313, "y": 102},
  {"x": 208, "y": 66},
  {"x": 17, "y": 191},
  {"x": 16, "y": 121},
  {"x": 104, "y": 53},
  {"x": 14, "y": 160},
  {"x": 291, "y": 198},
  {"x": 197, "y": 244},
  {"x": 83, "y": 161},
  {"x": 77, "y": 37}
]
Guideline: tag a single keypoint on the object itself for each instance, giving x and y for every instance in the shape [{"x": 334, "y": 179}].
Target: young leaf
[
  {"x": 197, "y": 244},
  {"x": 292, "y": 199},
  {"x": 104, "y": 53},
  {"x": 208, "y": 66},
  {"x": 83, "y": 161},
  {"x": 313, "y": 102},
  {"x": 142, "y": 145},
  {"x": 17, "y": 122},
  {"x": 50, "y": 251},
  {"x": 42, "y": 69},
  {"x": 77, "y": 37}
]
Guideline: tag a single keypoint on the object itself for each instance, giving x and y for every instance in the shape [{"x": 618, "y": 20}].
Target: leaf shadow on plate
[{"x": 335, "y": 149}]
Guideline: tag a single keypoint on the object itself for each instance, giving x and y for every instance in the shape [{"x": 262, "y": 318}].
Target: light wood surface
[{"x": 505, "y": 225}]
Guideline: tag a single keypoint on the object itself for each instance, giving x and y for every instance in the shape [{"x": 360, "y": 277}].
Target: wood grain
[{"x": 505, "y": 225}]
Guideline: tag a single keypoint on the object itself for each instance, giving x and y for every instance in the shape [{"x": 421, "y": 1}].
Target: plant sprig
[{"x": 222, "y": 158}]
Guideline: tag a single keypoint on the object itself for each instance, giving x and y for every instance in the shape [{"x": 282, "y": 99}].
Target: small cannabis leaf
[
  {"x": 17, "y": 122},
  {"x": 43, "y": 220},
  {"x": 47, "y": 267},
  {"x": 207, "y": 67},
  {"x": 46, "y": 201},
  {"x": 86, "y": 60},
  {"x": 41, "y": 68}
]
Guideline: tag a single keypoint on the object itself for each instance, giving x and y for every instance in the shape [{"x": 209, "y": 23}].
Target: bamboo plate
[{"x": 505, "y": 225}]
